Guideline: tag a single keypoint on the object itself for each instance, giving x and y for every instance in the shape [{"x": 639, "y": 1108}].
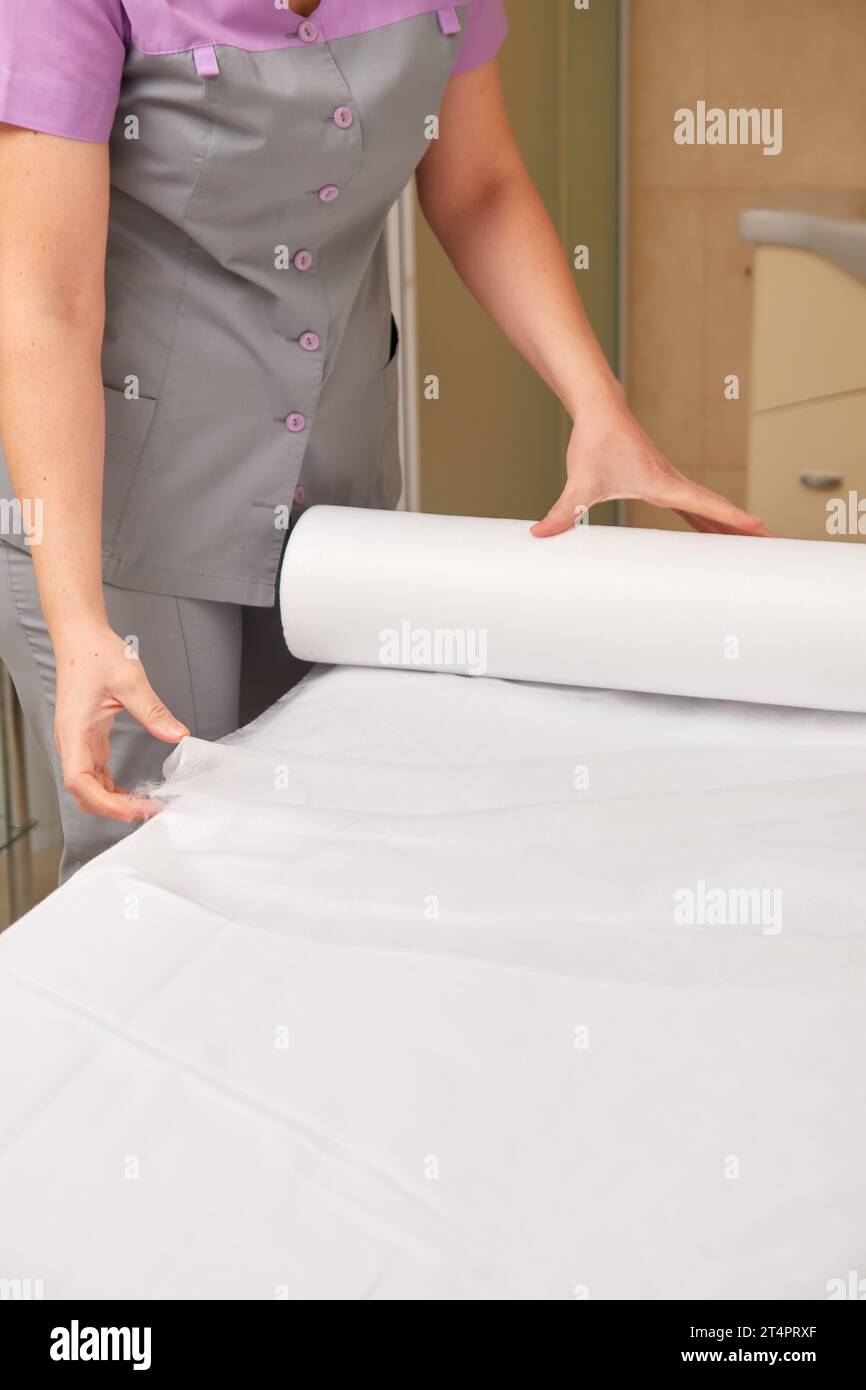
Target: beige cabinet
[
  {"x": 807, "y": 468},
  {"x": 807, "y": 429}
]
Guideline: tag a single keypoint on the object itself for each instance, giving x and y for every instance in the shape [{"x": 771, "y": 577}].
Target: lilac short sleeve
[
  {"x": 486, "y": 31},
  {"x": 60, "y": 65}
]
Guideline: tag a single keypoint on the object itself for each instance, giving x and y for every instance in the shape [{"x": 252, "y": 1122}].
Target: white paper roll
[{"x": 724, "y": 617}]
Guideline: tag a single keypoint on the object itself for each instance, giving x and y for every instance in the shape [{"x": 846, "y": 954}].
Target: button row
[
  {"x": 303, "y": 260},
  {"x": 309, "y": 341}
]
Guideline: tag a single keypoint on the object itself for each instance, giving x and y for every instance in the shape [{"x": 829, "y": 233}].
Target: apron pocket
[{"x": 127, "y": 422}]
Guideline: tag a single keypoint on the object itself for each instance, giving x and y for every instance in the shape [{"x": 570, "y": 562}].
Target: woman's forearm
[
  {"x": 503, "y": 236},
  {"x": 51, "y": 418},
  {"x": 478, "y": 197},
  {"x": 52, "y": 317}
]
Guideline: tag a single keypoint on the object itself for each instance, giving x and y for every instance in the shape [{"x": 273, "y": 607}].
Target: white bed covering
[{"x": 388, "y": 1003}]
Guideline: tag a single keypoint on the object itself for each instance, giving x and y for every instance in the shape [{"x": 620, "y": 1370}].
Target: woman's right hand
[{"x": 98, "y": 675}]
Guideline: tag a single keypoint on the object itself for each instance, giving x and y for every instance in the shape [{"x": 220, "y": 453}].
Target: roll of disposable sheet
[{"x": 724, "y": 617}]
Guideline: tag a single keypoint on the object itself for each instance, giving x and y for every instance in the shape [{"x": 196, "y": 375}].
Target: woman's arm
[
  {"x": 53, "y": 218},
  {"x": 478, "y": 197}
]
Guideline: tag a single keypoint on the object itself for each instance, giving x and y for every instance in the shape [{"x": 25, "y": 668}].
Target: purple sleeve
[
  {"x": 60, "y": 65},
  {"x": 486, "y": 30}
]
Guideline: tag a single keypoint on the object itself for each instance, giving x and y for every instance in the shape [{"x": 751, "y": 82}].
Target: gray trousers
[{"x": 215, "y": 665}]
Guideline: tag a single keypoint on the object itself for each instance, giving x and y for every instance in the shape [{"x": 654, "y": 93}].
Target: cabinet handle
[{"x": 821, "y": 480}]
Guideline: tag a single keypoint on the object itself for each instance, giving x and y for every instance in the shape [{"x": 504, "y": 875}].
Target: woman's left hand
[{"x": 610, "y": 456}]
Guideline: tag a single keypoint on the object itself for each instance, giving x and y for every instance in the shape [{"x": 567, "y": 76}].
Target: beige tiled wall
[{"x": 689, "y": 312}]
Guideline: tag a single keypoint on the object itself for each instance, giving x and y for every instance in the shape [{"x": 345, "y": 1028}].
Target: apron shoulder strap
[
  {"x": 449, "y": 20},
  {"x": 206, "y": 61}
]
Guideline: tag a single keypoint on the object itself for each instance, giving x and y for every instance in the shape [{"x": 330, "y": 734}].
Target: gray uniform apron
[{"x": 248, "y": 328}]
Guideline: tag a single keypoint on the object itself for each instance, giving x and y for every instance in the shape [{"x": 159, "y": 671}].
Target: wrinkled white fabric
[{"x": 390, "y": 1002}]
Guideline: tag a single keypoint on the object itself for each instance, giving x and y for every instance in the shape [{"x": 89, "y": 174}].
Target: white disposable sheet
[
  {"x": 727, "y": 617},
  {"x": 427, "y": 987}
]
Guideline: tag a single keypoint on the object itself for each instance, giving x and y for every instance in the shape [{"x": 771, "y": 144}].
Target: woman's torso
[{"x": 254, "y": 156}]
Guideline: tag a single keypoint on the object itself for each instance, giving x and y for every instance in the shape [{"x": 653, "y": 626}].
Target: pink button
[
  {"x": 329, "y": 193},
  {"x": 302, "y": 260},
  {"x": 308, "y": 32},
  {"x": 343, "y": 117},
  {"x": 299, "y": 496},
  {"x": 309, "y": 341},
  {"x": 295, "y": 422}
]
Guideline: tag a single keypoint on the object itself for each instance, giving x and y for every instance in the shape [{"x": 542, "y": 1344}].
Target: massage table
[
  {"x": 389, "y": 1003},
  {"x": 427, "y": 986}
]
